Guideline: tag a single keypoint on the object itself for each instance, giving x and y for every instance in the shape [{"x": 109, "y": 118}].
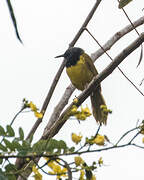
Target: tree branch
[
  {"x": 67, "y": 94},
  {"x": 118, "y": 35},
  {"x": 50, "y": 132},
  {"x": 56, "y": 78}
]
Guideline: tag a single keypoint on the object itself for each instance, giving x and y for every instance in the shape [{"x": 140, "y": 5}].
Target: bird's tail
[{"x": 99, "y": 106}]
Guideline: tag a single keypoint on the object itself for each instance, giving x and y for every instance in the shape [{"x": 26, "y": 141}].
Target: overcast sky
[{"x": 46, "y": 29}]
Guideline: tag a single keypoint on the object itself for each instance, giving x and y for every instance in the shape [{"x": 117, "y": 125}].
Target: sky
[{"x": 27, "y": 71}]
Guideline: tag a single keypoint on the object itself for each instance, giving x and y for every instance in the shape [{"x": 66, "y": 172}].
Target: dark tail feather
[{"x": 98, "y": 103}]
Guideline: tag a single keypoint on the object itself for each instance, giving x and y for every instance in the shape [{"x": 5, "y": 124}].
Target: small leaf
[
  {"x": 3, "y": 148},
  {"x": 40, "y": 146},
  {"x": 21, "y": 133},
  {"x": 11, "y": 177},
  {"x": 10, "y": 167},
  {"x": 10, "y": 131},
  {"x": 2, "y": 176},
  {"x": 30, "y": 139},
  {"x": 123, "y": 3},
  {"x": 2, "y": 131},
  {"x": 26, "y": 144},
  {"x": 141, "y": 55},
  {"x": 16, "y": 145},
  {"x": 13, "y": 19},
  {"x": 1, "y": 160},
  {"x": 9, "y": 145},
  {"x": 72, "y": 149}
]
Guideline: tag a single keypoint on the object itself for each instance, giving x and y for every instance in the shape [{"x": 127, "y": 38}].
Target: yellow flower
[
  {"x": 51, "y": 164},
  {"x": 32, "y": 106},
  {"x": 38, "y": 115},
  {"x": 142, "y": 129},
  {"x": 63, "y": 172},
  {"x": 75, "y": 100},
  {"x": 143, "y": 140},
  {"x": 82, "y": 173},
  {"x": 104, "y": 111},
  {"x": 100, "y": 161},
  {"x": 37, "y": 175},
  {"x": 99, "y": 140},
  {"x": 86, "y": 111},
  {"x": 27, "y": 159},
  {"x": 93, "y": 178},
  {"x": 80, "y": 116},
  {"x": 78, "y": 160},
  {"x": 57, "y": 170},
  {"x": 74, "y": 110},
  {"x": 76, "y": 138}
]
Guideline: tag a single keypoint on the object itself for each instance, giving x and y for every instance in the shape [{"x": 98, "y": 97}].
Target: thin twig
[
  {"x": 14, "y": 120},
  {"x": 64, "y": 154},
  {"x": 141, "y": 54},
  {"x": 125, "y": 135},
  {"x": 90, "y": 15},
  {"x": 137, "y": 146},
  {"x": 118, "y": 66},
  {"x": 134, "y": 137}
]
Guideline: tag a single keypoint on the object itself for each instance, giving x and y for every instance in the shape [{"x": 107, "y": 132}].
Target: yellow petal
[
  {"x": 38, "y": 115},
  {"x": 78, "y": 160},
  {"x": 76, "y": 138},
  {"x": 32, "y": 106},
  {"x": 99, "y": 140}
]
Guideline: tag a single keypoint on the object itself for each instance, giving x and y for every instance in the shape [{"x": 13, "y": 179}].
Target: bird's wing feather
[{"x": 90, "y": 64}]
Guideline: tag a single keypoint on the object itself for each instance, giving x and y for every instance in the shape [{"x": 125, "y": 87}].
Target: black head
[{"x": 72, "y": 55}]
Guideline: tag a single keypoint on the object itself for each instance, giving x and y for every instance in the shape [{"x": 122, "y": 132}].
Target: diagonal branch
[
  {"x": 48, "y": 133},
  {"x": 118, "y": 35},
  {"x": 69, "y": 90}
]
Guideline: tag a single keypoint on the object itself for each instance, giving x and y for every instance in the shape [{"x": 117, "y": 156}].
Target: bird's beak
[{"x": 60, "y": 56}]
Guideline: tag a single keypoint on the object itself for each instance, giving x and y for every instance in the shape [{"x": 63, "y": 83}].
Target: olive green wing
[{"x": 90, "y": 64}]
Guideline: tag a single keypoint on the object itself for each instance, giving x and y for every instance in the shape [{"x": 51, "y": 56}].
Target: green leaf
[
  {"x": 10, "y": 167},
  {"x": 51, "y": 145},
  {"x": 141, "y": 56},
  {"x": 11, "y": 177},
  {"x": 3, "y": 148},
  {"x": 72, "y": 149},
  {"x": 26, "y": 145},
  {"x": 56, "y": 146},
  {"x": 61, "y": 146},
  {"x": 13, "y": 19},
  {"x": 30, "y": 139},
  {"x": 21, "y": 133},
  {"x": 10, "y": 131},
  {"x": 9, "y": 145},
  {"x": 40, "y": 146},
  {"x": 16, "y": 145},
  {"x": 2, "y": 131},
  {"x": 123, "y": 3},
  {"x": 10, "y": 170},
  {"x": 2, "y": 176},
  {"x": 1, "y": 161}
]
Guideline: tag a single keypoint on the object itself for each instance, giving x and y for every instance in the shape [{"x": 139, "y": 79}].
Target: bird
[{"x": 81, "y": 70}]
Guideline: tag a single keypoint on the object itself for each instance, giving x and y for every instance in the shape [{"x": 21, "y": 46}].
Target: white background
[{"x": 47, "y": 28}]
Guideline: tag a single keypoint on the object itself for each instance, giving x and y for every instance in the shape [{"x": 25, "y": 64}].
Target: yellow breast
[{"x": 79, "y": 74}]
